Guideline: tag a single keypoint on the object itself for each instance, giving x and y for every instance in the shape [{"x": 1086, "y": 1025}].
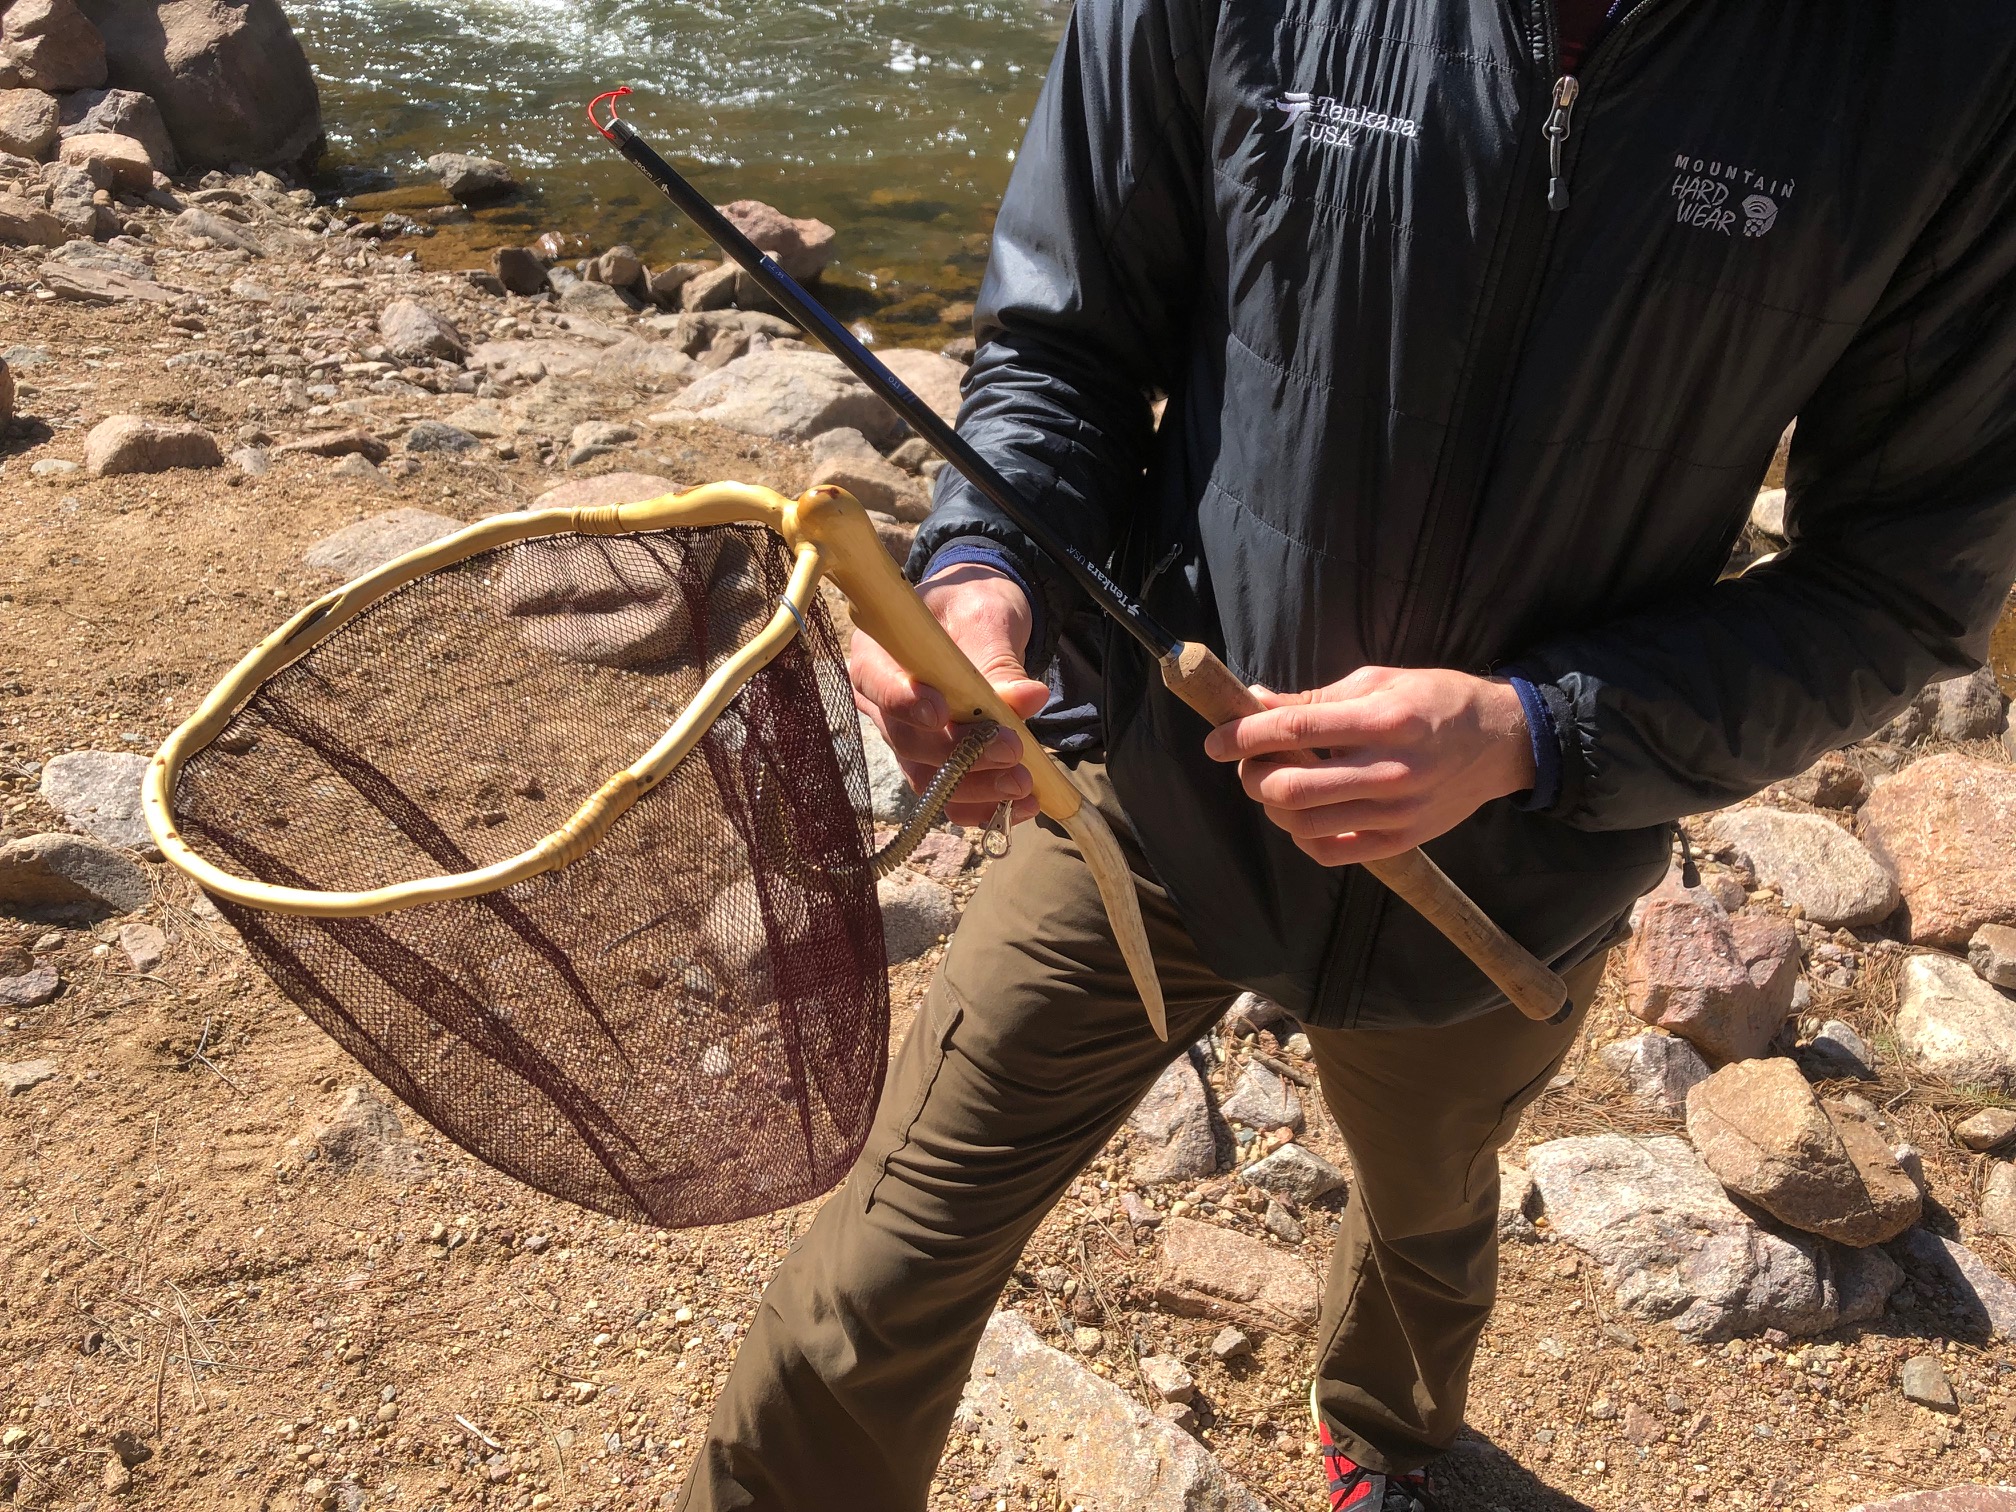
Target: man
[{"x": 1478, "y": 321}]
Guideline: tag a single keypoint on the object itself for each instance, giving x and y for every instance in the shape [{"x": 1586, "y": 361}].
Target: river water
[{"x": 895, "y": 123}]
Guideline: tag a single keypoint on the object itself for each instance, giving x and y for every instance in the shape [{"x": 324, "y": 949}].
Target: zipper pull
[{"x": 1559, "y": 123}]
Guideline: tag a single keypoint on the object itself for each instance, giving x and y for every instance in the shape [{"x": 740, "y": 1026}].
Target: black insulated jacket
[{"x": 1469, "y": 364}]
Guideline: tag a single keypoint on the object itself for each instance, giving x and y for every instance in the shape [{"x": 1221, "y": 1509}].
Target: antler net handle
[
  {"x": 887, "y": 608},
  {"x": 1196, "y": 675}
]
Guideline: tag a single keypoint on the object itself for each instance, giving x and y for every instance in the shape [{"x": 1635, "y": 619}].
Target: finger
[
  {"x": 1356, "y": 849},
  {"x": 977, "y": 816},
  {"x": 881, "y": 680},
  {"x": 1345, "y": 725},
  {"x": 1346, "y": 818},
  {"x": 1361, "y": 776}
]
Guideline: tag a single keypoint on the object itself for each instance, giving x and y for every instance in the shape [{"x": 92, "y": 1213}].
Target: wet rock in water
[
  {"x": 802, "y": 248},
  {"x": 1955, "y": 1499},
  {"x": 231, "y": 81},
  {"x": 1984, "y": 1299},
  {"x": 1998, "y": 1201},
  {"x": 790, "y": 395},
  {"x": 620, "y": 268},
  {"x": 17, "y": 1077},
  {"x": 1955, "y": 1026},
  {"x": 1992, "y": 954},
  {"x": 144, "y": 945},
  {"x": 1657, "y": 1070},
  {"x": 472, "y": 180},
  {"x": 341, "y": 443},
  {"x": 1294, "y": 1172},
  {"x": 1025, "y": 1401},
  {"x": 1822, "y": 1169},
  {"x": 1174, "y": 1139},
  {"x": 1673, "y": 1245},
  {"x": 1945, "y": 828},
  {"x": 1987, "y": 1130},
  {"x": 520, "y": 271},
  {"x": 370, "y": 543},
  {"x": 1210, "y": 1272},
  {"x": 49, "y": 44},
  {"x": 414, "y": 333},
  {"x": 931, "y": 376},
  {"x": 1924, "y": 1382},
  {"x": 133, "y": 444},
  {"x": 31, "y": 988},
  {"x": 118, "y": 163},
  {"x": 29, "y": 225},
  {"x": 891, "y": 800},
  {"x": 123, "y": 112},
  {"x": 28, "y": 123},
  {"x": 1811, "y": 862},
  {"x": 362, "y": 1131},
  {"x": 439, "y": 436},
  {"x": 1518, "y": 1203},
  {"x": 915, "y": 912},
  {"x": 1831, "y": 782},
  {"x": 1837, "y": 1052},
  {"x": 1723, "y": 984},
  {"x": 63, "y": 876},
  {"x": 99, "y": 793},
  {"x": 1263, "y": 1100},
  {"x": 194, "y": 225}
]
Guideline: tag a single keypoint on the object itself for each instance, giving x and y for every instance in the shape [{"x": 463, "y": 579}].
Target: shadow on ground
[{"x": 1478, "y": 1476}]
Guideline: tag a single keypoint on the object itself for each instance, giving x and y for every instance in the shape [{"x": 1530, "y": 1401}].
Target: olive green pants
[{"x": 1029, "y": 1052}]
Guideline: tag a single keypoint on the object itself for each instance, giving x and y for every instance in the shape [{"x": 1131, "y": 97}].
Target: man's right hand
[{"x": 987, "y": 615}]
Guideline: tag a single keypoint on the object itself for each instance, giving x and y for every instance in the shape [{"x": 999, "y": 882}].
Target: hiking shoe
[{"x": 1353, "y": 1488}]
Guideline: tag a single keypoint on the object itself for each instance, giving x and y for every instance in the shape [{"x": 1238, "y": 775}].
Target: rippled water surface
[{"x": 895, "y": 122}]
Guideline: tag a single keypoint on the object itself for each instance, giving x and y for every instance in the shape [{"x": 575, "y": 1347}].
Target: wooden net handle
[{"x": 1206, "y": 684}]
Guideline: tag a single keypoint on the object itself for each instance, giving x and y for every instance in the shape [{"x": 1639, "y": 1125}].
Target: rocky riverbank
[{"x": 1759, "y": 1233}]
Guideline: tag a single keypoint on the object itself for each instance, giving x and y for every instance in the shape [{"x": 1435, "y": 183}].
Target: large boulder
[
  {"x": 1962, "y": 708},
  {"x": 1945, "y": 828},
  {"x": 371, "y": 543},
  {"x": 1173, "y": 1136},
  {"x": 473, "y": 180},
  {"x": 1673, "y": 1245},
  {"x": 229, "y": 76},
  {"x": 801, "y": 248},
  {"x": 135, "y": 444},
  {"x": 48, "y": 44},
  {"x": 1953, "y": 1025},
  {"x": 1811, "y": 862},
  {"x": 1823, "y": 1169},
  {"x": 28, "y": 123},
  {"x": 790, "y": 395},
  {"x": 1099, "y": 1449},
  {"x": 123, "y": 112},
  {"x": 1725, "y": 984},
  {"x": 115, "y": 162}
]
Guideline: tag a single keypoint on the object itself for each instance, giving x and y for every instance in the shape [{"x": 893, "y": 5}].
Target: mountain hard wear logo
[
  {"x": 1332, "y": 123},
  {"x": 1703, "y": 188}
]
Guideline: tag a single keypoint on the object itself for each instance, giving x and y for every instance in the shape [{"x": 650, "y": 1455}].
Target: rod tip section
[{"x": 608, "y": 129}]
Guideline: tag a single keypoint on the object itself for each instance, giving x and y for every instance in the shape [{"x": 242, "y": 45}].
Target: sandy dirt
[{"x": 182, "y": 1287}]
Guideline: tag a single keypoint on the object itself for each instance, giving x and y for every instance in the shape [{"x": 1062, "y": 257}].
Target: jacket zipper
[{"x": 1560, "y": 121}]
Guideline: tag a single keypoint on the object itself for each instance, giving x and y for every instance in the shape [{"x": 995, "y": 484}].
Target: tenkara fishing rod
[{"x": 1192, "y": 671}]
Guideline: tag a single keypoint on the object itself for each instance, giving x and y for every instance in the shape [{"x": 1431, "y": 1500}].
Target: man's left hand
[{"x": 1401, "y": 755}]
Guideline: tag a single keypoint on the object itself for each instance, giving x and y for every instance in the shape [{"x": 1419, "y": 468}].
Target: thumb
[
  {"x": 1002, "y": 668},
  {"x": 1269, "y": 699}
]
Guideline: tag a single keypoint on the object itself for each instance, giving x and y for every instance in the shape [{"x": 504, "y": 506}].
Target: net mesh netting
[{"x": 686, "y": 1026}]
